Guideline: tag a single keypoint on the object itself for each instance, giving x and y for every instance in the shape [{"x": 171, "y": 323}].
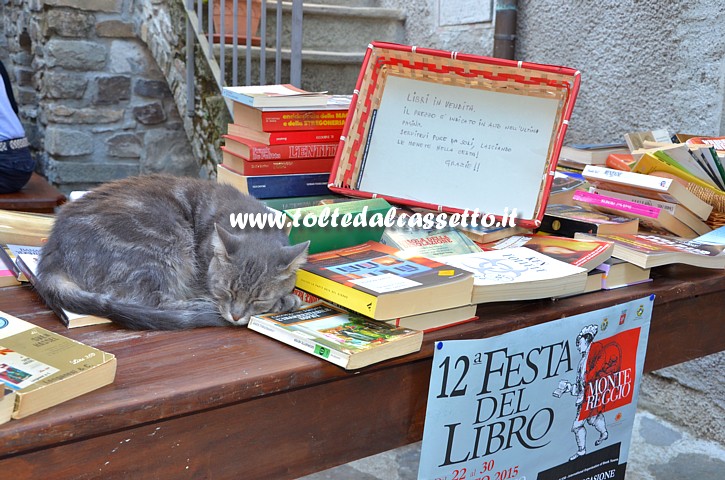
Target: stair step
[
  {"x": 341, "y": 27},
  {"x": 336, "y": 72}
]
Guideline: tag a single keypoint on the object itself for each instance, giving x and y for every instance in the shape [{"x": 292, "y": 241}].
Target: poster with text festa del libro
[{"x": 551, "y": 402}]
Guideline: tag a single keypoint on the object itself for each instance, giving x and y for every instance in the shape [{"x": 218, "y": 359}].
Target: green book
[
  {"x": 299, "y": 202},
  {"x": 338, "y": 225}
]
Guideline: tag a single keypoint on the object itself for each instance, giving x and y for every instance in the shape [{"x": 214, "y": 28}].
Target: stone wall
[{"x": 95, "y": 102}]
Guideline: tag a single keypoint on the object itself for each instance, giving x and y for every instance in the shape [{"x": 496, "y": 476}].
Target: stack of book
[
  {"x": 283, "y": 140},
  {"x": 662, "y": 205}
]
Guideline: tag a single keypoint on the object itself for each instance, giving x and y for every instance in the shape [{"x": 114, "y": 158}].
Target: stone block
[
  {"x": 113, "y": 89},
  {"x": 169, "y": 152},
  {"x": 66, "y": 172},
  {"x": 76, "y": 54},
  {"x": 130, "y": 56},
  {"x": 115, "y": 29},
  {"x": 68, "y": 23},
  {"x": 152, "y": 88},
  {"x": 24, "y": 77},
  {"x": 150, "y": 114},
  {"x": 66, "y": 142},
  {"x": 108, "y": 6},
  {"x": 59, "y": 85},
  {"x": 90, "y": 116},
  {"x": 125, "y": 145}
]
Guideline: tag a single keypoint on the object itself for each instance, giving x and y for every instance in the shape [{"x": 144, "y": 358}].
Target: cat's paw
[{"x": 287, "y": 303}]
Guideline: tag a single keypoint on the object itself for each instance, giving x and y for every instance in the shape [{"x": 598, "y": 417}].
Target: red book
[
  {"x": 255, "y": 151},
  {"x": 285, "y": 138},
  {"x": 289, "y": 120},
  {"x": 275, "y": 167}
]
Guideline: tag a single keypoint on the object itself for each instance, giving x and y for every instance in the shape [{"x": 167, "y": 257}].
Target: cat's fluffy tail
[{"x": 62, "y": 293}]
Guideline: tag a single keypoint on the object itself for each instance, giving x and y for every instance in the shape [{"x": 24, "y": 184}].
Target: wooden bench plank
[{"x": 218, "y": 394}]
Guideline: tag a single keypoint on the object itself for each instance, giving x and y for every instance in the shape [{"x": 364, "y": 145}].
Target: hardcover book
[
  {"x": 274, "y": 186},
  {"x": 285, "y": 96},
  {"x": 446, "y": 122},
  {"x": 344, "y": 338},
  {"x": 286, "y": 137},
  {"x": 567, "y": 220},
  {"x": 255, "y": 151},
  {"x": 652, "y": 218},
  {"x": 373, "y": 280},
  {"x": 45, "y": 368},
  {"x": 519, "y": 273},
  {"x": 339, "y": 225},
  {"x": 28, "y": 264},
  {"x": 274, "y": 167},
  {"x": 580, "y": 253},
  {"x": 644, "y": 185},
  {"x": 332, "y": 116},
  {"x": 648, "y": 251}
]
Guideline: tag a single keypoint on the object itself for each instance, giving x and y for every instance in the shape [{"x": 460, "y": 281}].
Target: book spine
[
  {"x": 624, "y": 206},
  {"x": 338, "y": 293},
  {"x": 302, "y": 120},
  {"x": 274, "y": 186},
  {"x": 315, "y": 165},
  {"x": 299, "y": 342},
  {"x": 237, "y": 97},
  {"x": 633, "y": 179},
  {"x": 291, "y": 152},
  {"x": 285, "y": 138}
]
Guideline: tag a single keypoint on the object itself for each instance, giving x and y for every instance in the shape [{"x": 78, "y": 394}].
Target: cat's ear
[
  {"x": 294, "y": 257},
  {"x": 221, "y": 242}
]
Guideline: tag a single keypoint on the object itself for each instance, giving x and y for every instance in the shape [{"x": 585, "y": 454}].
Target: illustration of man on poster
[{"x": 587, "y": 364}]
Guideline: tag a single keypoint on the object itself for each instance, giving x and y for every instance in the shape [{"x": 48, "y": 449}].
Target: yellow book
[
  {"x": 23, "y": 228},
  {"x": 45, "y": 368},
  {"x": 648, "y": 163},
  {"x": 374, "y": 280}
]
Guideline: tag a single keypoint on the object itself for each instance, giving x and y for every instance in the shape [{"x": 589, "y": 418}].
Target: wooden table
[
  {"x": 229, "y": 403},
  {"x": 36, "y": 196}
]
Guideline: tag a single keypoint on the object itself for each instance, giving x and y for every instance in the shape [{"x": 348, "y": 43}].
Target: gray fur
[{"x": 159, "y": 252}]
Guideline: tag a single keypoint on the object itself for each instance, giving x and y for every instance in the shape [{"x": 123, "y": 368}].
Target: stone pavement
[{"x": 659, "y": 451}]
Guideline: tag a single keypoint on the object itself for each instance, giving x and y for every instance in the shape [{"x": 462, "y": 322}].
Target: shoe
[
  {"x": 578, "y": 454},
  {"x": 602, "y": 437}
]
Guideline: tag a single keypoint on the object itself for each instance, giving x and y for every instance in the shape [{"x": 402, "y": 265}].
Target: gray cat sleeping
[{"x": 159, "y": 252}]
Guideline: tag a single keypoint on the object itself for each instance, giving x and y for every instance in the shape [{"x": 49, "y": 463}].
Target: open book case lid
[{"x": 454, "y": 132}]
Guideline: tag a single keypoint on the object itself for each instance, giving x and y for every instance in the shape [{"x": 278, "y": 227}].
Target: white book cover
[{"x": 519, "y": 273}]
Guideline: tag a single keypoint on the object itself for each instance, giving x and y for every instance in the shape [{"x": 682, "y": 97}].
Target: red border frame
[{"x": 572, "y": 89}]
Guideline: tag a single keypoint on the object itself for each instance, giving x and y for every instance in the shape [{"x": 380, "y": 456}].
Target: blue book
[
  {"x": 275, "y": 186},
  {"x": 715, "y": 237}
]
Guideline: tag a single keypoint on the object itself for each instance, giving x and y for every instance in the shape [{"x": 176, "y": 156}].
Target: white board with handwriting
[{"x": 459, "y": 147}]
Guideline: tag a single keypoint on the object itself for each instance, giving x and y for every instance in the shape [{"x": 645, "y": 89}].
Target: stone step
[
  {"x": 336, "y": 72},
  {"x": 339, "y": 28},
  {"x": 335, "y": 38}
]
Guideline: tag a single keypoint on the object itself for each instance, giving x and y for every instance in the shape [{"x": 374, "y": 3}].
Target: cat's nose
[{"x": 236, "y": 317}]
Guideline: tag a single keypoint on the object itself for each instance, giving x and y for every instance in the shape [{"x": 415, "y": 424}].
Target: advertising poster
[{"x": 550, "y": 402}]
